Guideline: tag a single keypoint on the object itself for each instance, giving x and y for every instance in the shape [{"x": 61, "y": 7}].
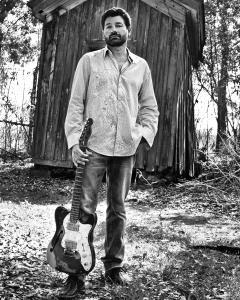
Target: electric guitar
[{"x": 71, "y": 249}]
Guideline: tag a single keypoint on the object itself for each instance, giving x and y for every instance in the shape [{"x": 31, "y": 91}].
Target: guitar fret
[
  {"x": 78, "y": 183},
  {"x": 77, "y": 192},
  {"x": 77, "y": 187}
]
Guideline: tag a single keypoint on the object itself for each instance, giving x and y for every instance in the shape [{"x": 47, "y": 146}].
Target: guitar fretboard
[
  {"x": 77, "y": 190},
  {"x": 77, "y": 194}
]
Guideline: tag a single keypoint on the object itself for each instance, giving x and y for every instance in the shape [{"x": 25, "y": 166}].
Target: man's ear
[{"x": 129, "y": 31}]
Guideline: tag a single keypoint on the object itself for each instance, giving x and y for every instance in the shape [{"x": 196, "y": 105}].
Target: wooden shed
[{"x": 169, "y": 34}]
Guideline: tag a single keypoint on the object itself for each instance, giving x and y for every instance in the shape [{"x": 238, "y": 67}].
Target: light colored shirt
[{"x": 121, "y": 103}]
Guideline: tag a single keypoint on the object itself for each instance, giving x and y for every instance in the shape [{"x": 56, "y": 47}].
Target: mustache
[{"x": 114, "y": 34}]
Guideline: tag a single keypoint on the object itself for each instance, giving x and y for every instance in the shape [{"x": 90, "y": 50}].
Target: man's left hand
[{"x": 144, "y": 144}]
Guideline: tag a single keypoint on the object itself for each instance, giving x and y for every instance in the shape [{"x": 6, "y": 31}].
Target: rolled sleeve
[
  {"x": 148, "y": 110},
  {"x": 74, "y": 118}
]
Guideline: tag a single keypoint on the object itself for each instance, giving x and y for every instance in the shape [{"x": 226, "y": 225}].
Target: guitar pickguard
[{"x": 80, "y": 237}]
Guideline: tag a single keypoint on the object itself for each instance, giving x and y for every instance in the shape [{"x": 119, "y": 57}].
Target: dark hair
[{"x": 114, "y": 12}]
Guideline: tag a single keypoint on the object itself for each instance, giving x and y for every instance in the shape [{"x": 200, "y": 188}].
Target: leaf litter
[{"x": 164, "y": 223}]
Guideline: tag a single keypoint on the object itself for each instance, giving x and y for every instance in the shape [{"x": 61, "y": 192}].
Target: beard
[{"x": 116, "y": 40}]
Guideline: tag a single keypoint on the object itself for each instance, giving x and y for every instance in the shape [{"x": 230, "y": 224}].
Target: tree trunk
[
  {"x": 32, "y": 109},
  {"x": 222, "y": 87}
]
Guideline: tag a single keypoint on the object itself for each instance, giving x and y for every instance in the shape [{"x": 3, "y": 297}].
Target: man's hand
[
  {"x": 78, "y": 156},
  {"x": 145, "y": 144}
]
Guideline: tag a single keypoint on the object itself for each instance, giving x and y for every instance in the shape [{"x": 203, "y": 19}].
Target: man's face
[{"x": 115, "y": 31}]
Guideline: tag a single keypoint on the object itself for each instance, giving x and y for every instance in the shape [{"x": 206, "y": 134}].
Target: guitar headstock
[{"x": 87, "y": 130}]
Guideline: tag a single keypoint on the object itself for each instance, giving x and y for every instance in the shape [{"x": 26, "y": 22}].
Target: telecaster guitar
[{"x": 71, "y": 248}]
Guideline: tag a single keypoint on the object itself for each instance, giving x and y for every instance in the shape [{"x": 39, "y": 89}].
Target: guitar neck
[
  {"x": 77, "y": 190},
  {"x": 77, "y": 194}
]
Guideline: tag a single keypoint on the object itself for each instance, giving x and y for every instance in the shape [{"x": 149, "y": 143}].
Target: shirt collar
[{"x": 131, "y": 57}]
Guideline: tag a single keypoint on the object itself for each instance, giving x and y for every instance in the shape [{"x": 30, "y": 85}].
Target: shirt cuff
[
  {"x": 73, "y": 140},
  {"x": 147, "y": 134}
]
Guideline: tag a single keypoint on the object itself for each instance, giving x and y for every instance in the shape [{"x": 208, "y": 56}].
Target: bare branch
[{"x": 16, "y": 123}]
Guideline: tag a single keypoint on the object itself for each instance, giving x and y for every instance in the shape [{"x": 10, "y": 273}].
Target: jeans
[{"x": 118, "y": 175}]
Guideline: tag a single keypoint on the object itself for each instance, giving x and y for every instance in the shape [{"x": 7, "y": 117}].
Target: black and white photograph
[{"x": 120, "y": 149}]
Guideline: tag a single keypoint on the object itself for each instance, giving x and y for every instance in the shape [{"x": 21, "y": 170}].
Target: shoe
[
  {"x": 117, "y": 276},
  {"x": 72, "y": 286}
]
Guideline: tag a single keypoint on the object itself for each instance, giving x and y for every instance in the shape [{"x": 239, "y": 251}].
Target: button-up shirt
[{"x": 121, "y": 103}]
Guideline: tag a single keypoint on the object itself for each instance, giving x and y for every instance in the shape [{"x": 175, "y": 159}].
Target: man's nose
[{"x": 114, "y": 29}]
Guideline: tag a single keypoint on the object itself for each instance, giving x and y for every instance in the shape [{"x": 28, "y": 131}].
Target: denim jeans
[{"x": 118, "y": 175}]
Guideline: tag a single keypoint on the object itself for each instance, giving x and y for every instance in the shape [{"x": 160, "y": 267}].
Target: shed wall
[{"x": 157, "y": 38}]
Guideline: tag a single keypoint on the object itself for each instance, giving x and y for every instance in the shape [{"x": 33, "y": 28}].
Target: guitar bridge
[{"x": 70, "y": 246}]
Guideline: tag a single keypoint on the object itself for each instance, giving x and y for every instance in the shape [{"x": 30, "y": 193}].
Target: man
[{"x": 114, "y": 88}]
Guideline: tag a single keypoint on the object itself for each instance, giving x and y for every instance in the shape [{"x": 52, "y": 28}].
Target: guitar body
[{"x": 82, "y": 260}]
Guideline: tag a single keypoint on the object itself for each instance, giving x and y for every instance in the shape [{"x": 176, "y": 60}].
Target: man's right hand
[{"x": 78, "y": 156}]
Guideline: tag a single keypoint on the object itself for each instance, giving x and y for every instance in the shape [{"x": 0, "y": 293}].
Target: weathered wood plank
[
  {"x": 38, "y": 117},
  {"x": 142, "y": 25},
  {"x": 43, "y": 90},
  {"x": 53, "y": 118},
  {"x": 132, "y": 9},
  {"x": 45, "y": 86},
  {"x": 82, "y": 44},
  {"x": 141, "y": 34},
  {"x": 70, "y": 4},
  {"x": 152, "y": 58},
  {"x": 122, "y": 4},
  {"x": 96, "y": 30},
  {"x": 64, "y": 92},
  {"x": 44, "y": 7},
  {"x": 181, "y": 134},
  {"x": 178, "y": 69},
  {"x": 49, "y": 99},
  {"x": 110, "y": 3},
  {"x": 160, "y": 81},
  {"x": 89, "y": 19},
  {"x": 152, "y": 41},
  {"x": 169, "y": 105},
  {"x": 81, "y": 32},
  {"x": 163, "y": 134},
  {"x": 189, "y": 133},
  {"x": 169, "y": 8},
  {"x": 190, "y": 3},
  {"x": 45, "y": 162},
  {"x": 181, "y": 91}
]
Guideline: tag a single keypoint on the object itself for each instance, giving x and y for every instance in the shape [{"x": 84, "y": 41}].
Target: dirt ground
[{"x": 170, "y": 232}]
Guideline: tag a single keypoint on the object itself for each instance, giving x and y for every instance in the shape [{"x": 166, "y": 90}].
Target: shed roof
[{"x": 189, "y": 12}]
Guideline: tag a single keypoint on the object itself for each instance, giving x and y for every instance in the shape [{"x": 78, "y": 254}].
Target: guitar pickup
[{"x": 73, "y": 226}]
